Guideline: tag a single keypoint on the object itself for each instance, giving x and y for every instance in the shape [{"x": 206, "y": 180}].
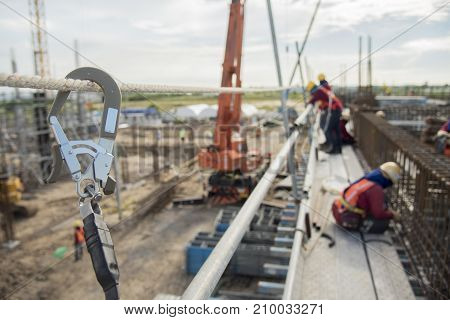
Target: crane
[{"x": 233, "y": 165}]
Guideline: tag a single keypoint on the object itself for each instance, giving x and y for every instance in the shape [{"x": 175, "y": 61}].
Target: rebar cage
[{"x": 421, "y": 196}]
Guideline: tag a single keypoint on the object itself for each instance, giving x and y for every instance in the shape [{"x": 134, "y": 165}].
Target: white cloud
[
  {"x": 428, "y": 44},
  {"x": 341, "y": 14},
  {"x": 13, "y": 25},
  {"x": 182, "y": 42},
  {"x": 146, "y": 24}
]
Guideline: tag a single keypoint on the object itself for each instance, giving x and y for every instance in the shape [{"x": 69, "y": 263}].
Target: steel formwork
[{"x": 422, "y": 196}]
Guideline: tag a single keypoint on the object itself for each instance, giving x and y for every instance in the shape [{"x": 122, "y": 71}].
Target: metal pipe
[
  {"x": 300, "y": 70},
  {"x": 209, "y": 275},
  {"x": 296, "y": 253},
  {"x": 274, "y": 43},
  {"x": 300, "y": 51},
  {"x": 284, "y": 97},
  {"x": 309, "y": 178},
  {"x": 294, "y": 261},
  {"x": 291, "y": 157}
]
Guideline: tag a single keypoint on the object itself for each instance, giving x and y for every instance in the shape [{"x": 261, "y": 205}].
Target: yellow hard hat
[
  {"x": 77, "y": 223},
  {"x": 310, "y": 85},
  {"x": 391, "y": 170},
  {"x": 321, "y": 77}
]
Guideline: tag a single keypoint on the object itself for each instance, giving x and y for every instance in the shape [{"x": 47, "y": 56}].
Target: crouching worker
[{"x": 361, "y": 205}]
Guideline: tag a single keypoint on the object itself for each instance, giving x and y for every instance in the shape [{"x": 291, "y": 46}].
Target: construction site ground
[
  {"x": 150, "y": 250},
  {"x": 149, "y": 244}
]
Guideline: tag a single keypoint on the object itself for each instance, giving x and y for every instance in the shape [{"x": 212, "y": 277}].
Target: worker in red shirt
[
  {"x": 362, "y": 205},
  {"x": 334, "y": 107},
  {"x": 78, "y": 240},
  {"x": 323, "y": 108}
]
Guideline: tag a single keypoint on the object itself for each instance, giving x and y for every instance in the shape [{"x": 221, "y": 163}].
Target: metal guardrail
[
  {"x": 204, "y": 283},
  {"x": 294, "y": 271},
  {"x": 422, "y": 196}
]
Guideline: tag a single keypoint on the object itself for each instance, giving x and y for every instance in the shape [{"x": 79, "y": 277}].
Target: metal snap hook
[{"x": 101, "y": 152}]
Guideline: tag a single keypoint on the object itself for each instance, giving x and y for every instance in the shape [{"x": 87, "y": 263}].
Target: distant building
[{"x": 150, "y": 115}]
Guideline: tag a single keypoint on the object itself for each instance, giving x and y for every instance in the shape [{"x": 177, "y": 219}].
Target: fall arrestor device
[{"x": 94, "y": 180}]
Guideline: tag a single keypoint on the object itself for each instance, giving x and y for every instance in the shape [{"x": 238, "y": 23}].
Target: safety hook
[{"x": 66, "y": 151}]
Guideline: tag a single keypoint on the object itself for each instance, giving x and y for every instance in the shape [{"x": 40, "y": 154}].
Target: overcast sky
[{"x": 182, "y": 42}]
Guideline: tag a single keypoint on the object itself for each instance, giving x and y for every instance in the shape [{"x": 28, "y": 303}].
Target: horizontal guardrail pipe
[
  {"x": 204, "y": 283},
  {"x": 296, "y": 253}
]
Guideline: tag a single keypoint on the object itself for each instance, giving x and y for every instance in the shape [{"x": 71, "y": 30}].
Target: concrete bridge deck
[{"x": 344, "y": 271}]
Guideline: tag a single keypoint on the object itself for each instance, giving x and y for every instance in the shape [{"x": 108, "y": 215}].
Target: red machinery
[{"x": 228, "y": 156}]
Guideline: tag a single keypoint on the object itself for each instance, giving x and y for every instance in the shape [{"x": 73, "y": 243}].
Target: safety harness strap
[{"x": 351, "y": 208}]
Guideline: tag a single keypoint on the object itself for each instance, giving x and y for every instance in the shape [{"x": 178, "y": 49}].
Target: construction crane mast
[
  {"x": 39, "y": 38},
  {"x": 228, "y": 156}
]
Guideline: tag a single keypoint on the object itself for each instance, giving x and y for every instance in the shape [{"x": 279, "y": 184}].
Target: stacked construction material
[
  {"x": 264, "y": 250},
  {"x": 259, "y": 267}
]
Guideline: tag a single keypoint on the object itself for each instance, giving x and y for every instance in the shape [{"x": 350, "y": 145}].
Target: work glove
[{"x": 396, "y": 215}]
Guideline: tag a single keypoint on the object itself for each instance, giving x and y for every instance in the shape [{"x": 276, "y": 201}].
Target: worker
[
  {"x": 182, "y": 134},
  {"x": 11, "y": 190},
  {"x": 327, "y": 100},
  {"x": 361, "y": 205},
  {"x": 347, "y": 138},
  {"x": 78, "y": 240},
  {"x": 323, "y": 83},
  {"x": 323, "y": 110},
  {"x": 443, "y": 139}
]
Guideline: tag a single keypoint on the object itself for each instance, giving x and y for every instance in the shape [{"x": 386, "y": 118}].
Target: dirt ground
[{"x": 150, "y": 252}]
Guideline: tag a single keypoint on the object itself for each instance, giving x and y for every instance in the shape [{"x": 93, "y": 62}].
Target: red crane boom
[{"x": 228, "y": 155}]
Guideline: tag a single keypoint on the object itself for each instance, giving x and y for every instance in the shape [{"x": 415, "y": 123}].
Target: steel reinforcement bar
[{"x": 422, "y": 196}]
